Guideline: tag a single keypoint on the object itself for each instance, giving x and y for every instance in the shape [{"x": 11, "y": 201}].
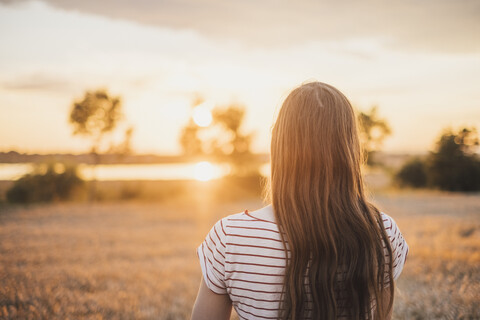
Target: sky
[{"x": 418, "y": 61}]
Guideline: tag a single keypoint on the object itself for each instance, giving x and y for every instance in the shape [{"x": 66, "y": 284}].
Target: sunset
[
  {"x": 418, "y": 62},
  {"x": 202, "y": 115},
  {"x": 129, "y": 129}
]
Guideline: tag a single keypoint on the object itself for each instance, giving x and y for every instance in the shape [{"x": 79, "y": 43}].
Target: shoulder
[
  {"x": 249, "y": 228},
  {"x": 387, "y": 220},
  {"x": 261, "y": 218},
  {"x": 392, "y": 230},
  {"x": 390, "y": 225},
  {"x": 398, "y": 244}
]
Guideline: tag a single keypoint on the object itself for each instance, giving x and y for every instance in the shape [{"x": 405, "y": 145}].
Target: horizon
[{"x": 179, "y": 155}]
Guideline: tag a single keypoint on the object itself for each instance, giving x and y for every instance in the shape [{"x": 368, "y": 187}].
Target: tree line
[{"x": 454, "y": 165}]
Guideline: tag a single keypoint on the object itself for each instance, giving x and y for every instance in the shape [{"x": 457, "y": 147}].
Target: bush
[
  {"x": 46, "y": 183},
  {"x": 413, "y": 174},
  {"x": 453, "y": 166}
]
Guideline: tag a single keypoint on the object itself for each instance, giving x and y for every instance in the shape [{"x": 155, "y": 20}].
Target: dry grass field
[
  {"x": 136, "y": 260},
  {"x": 441, "y": 279}
]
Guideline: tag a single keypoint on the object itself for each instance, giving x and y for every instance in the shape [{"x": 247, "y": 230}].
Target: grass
[
  {"x": 441, "y": 279},
  {"x": 136, "y": 260}
]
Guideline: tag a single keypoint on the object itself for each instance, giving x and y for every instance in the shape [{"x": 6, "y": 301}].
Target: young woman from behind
[{"x": 320, "y": 250}]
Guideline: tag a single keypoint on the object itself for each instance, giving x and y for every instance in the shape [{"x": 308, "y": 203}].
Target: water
[{"x": 167, "y": 171}]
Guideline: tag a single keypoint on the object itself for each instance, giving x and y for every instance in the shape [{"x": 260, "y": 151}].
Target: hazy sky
[{"x": 419, "y": 61}]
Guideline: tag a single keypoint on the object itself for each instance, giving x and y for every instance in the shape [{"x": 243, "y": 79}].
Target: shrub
[
  {"x": 413, "y": 174},
  {"x": 46, "y": 183},
  {"x": 453, "y": 166}
]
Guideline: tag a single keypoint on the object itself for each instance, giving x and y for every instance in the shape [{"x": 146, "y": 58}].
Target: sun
[
  {"x": 202, "y": 115},
  {"x": 204, "y": 171}
]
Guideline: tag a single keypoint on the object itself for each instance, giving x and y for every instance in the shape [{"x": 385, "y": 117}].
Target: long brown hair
[{"x": 333, "y": 237}]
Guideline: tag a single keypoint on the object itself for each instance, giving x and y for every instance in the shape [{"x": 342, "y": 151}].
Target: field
[{"x": 136, "y": 260}]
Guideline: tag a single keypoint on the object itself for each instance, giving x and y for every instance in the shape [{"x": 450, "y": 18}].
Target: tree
[
  {"x": 233, "y": 144},
  {"x": 373, "y": 131},
  {"x": 94, "y": 116},
  {"x": 454, "y": 165},
  {"x": 223, "y": 140},
  {"x": 53, "y": 181},
  {"x": 231, "y": 119},
  {"x": 189, "y": 140},
  {"x": 413, "y": 174}
]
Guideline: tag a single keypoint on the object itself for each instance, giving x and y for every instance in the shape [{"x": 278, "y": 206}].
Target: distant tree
[
  {"x": 413, "y": 174},
  {"x": 223, "y": 139},
  {"x": 234, "y": 145},
  {"x": 231, "y": 119},
  {"x": 373, "y": 131},
  {"x": 190, "y": 141},
  {"x": 94, "y": 116},
  {"x": 47, "y": 182},
  {"x": 454, "y": 165}
]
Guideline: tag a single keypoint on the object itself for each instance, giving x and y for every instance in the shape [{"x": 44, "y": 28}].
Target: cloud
[
  {"x": 448, "y": 26},
  {"x": 37, "y": 81}
]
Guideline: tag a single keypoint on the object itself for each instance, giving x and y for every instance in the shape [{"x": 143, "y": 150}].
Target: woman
[{"x": 321, "y": 250}]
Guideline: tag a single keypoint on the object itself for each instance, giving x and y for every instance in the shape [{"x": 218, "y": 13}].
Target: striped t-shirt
[{"x": 243, "y": 256}]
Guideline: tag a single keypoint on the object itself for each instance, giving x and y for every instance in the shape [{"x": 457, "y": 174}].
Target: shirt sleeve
[
  {"x": 211, "y": 254},
  {"x": 398, "y": 244}
]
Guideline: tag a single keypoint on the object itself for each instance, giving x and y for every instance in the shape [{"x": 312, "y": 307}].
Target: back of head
[
  {"x": 331, "y": 231},
  {"x": 315, "y": 141}
]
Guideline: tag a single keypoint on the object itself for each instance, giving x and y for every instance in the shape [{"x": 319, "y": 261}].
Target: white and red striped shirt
[{"x": 243, "y": 256}]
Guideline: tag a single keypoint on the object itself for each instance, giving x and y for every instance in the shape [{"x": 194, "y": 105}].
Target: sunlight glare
[
  {"x": 204, "y": 171},
  {"x": 202, "y": 115}
]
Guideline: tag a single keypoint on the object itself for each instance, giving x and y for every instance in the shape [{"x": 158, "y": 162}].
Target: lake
[{"x": 202, "y": 171}]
